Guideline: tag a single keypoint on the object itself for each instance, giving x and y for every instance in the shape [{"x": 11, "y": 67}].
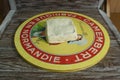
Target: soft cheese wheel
[{"x": 60, "y": 30}]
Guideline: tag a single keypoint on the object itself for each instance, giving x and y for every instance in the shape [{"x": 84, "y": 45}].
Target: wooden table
[{"x": 14, "y": 67}]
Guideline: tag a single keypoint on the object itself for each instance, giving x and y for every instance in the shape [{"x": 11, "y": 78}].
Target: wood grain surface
[
  {"x": 14, "y": 67},
  {"x": 115, "y": 17}
]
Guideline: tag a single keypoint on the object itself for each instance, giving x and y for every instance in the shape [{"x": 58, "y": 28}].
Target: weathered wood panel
[
  {"x": 114, "y": 6},
  {"x": 13, "y": 67}
]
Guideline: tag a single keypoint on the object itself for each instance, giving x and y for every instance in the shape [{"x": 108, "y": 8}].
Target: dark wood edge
[
  {"x": 108, "y": 21},
  {"x": 8, "y": 17}
]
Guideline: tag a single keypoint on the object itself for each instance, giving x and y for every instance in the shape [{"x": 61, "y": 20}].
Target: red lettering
[
  {"x": 85, "y": 55},
  {"x": 93, "y": 50},
  {"x": 77, "y": 58},
  {"x": 97, "y": 45}
]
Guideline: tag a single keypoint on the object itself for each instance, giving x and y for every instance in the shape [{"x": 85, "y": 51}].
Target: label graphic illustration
[{"x": 90, "y": 46}]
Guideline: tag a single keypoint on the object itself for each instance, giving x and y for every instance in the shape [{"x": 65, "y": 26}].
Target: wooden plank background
[
  {"x": 113, "y": 11},
  {"x": 114, "y": 6},
  {"x": 13, "y": 67},
  {"x": 115, "y": 17}
]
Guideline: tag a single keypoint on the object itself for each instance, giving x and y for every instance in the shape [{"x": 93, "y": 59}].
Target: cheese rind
[{"x": 60, "y": 30}]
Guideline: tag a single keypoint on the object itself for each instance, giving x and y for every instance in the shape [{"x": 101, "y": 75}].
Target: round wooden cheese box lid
[{"x": 32, "y": 44}]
